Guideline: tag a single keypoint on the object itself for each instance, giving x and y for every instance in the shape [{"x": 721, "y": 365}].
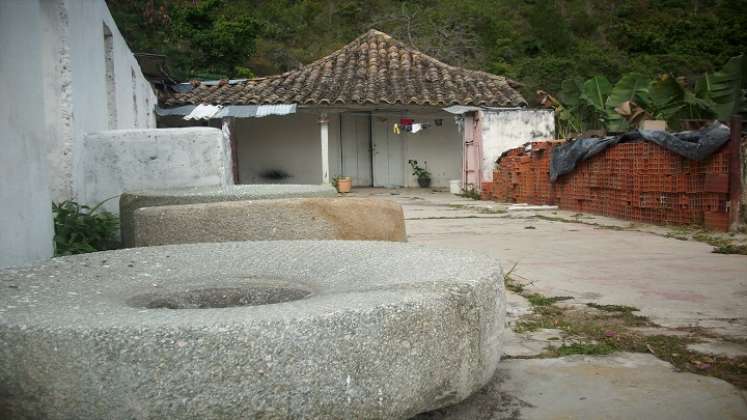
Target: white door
[
  {"x": 356, "y": 149},
  {"x": 388, "y": 154}
]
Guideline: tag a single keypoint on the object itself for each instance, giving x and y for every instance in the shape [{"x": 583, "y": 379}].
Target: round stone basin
[
  {"x": 218, "y": 297},
  {"x": 278, "y": 329}
]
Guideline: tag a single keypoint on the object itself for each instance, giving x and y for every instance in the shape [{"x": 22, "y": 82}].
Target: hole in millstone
[{"x": 218, "y": 297}]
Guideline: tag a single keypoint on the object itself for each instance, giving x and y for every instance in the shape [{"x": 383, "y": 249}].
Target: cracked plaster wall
[
  {"x": 504, "y": 129},
  {"x": 75, "y": 85}
]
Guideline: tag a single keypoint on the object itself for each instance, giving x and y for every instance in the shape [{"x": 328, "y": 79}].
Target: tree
[
  {"x": 211, "y": 39},
  {"x": 539, "y": 43}
]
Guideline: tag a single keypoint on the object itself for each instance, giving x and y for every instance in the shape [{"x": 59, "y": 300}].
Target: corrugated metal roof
[
  {"x": 204, "y": 112},
  {"x": 461, "y": 109},
  {"x": 179, "y": 110},
  {"x": 255, "y": 111},
  {"x": 283, "y": 109}
]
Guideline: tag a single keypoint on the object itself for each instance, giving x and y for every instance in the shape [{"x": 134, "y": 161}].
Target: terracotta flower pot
[{"x": 344, "y": 184}]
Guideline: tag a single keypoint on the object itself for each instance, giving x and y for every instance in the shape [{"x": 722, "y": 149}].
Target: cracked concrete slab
[
  {"x": 530, "y": 344},
  {"x": 618, "y": 386},
  {"x": 676, "y": 283}
]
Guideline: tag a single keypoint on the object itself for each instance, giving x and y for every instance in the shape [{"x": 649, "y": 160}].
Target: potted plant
[
  {"x": 343, "y": 183},
  {"x": 422, "y": 174}
]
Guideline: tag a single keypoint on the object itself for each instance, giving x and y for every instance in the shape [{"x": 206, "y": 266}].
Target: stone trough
[
  {"x": 371, "y": 219},
  {"x": 303, "y": 329},
  {"x": 131, "y": 201}
]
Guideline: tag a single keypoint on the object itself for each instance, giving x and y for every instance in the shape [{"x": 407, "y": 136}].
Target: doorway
[{"x": 387, "y": 154}]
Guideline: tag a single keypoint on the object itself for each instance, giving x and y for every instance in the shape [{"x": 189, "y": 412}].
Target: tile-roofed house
[
  {"x": 373, "y": 69},
  {"x": 363, "y": 111}
]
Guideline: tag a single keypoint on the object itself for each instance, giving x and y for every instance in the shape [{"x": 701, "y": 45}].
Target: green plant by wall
[
  {"x": 470, "y": 192},
  {"x": 418, "y": 171},
  {"x": 79, "y": 229}
]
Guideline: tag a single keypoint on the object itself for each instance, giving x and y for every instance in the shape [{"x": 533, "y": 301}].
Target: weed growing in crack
[
  {"x": 577, "y": 220},
  {"x": 612, "y": 308},
  {"x": 597, "y": 349},
  {"x": 720, "y": 244},
  {"x": 537, "y": 299},
  {"x": 612, "y": 328}
]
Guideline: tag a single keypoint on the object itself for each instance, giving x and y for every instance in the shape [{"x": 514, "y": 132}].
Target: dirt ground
[{"x": 608, "y": 319}]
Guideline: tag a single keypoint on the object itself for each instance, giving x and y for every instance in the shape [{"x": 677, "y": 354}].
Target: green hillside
[{"x": 539, "y": 43}]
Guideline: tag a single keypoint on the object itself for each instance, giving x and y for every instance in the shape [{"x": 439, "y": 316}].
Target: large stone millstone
[
  {"x": 371, "y": 219},
  {"x": 280, "y": 330},
  {"x": 131, "y": 201}
]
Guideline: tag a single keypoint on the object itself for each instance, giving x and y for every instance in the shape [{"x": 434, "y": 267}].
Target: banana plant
[
  {"x": 567, "y": 120},
  {"x": 666, "y": 97},
  {"x": 594, "y": 93},
  {"x": 632, "y": 88},
  {"x": 726, "y": 89}
]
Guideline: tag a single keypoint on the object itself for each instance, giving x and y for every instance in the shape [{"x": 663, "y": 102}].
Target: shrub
[{"x": 79, "y": 228}]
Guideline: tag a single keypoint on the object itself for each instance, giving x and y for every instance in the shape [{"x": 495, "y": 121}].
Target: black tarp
[{"x": 695, "y": 145}]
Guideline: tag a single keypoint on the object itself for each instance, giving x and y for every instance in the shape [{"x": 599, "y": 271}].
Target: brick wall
[{"x": 637, "y": 181}]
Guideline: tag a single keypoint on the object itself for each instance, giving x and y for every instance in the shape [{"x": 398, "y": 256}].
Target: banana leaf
[
  {"x": 570, "y": 92},
  {"x": 632, "y": 87},
  {"x": 666, "y": 98},
  {"x": 595, "y": 92},
  {"x": 726, "y": 88}
]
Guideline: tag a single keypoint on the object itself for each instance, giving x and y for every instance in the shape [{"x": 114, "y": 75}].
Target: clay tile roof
[{"x": 374, "y": 69}]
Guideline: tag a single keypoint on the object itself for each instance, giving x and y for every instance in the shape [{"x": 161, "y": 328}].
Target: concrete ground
[{"x": 678, "y": 284}]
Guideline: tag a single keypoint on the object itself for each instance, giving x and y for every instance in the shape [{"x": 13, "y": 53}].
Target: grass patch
[
  {"x": 720, "y": 244},
  {"x": 483, "y": 210},
  {"x": 612, "y": 308},
  {"x": 596, "y": 349},
  {"x": 730, "y": 249},
  {"x": 486, "y": 210},
  {"x": 472, "y": 193},
  {"x": 537, "y": 299}
]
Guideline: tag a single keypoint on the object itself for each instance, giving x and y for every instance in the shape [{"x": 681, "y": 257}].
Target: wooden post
[
  {"x": 735, "y": 171},
  {"x": 324, "y": 124}
]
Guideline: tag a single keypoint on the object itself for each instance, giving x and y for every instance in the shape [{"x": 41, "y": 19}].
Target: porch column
[
  {"x": 324, "y": 124},
  {"x": 230, "y": 142}
]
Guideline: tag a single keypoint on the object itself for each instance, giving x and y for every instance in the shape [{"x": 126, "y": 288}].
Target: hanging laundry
[{"x": 417, "y": 127}]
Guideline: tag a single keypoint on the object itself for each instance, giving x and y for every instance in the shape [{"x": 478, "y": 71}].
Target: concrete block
[
  {"x": 275, "y": 329},
  {"x": 131, "y": 160},
  {"x": 131, "y": 201},
  {"x": 369, "y": 219}
]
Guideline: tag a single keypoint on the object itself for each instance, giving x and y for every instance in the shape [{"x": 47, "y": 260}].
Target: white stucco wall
[
  {"x": 292, "y": 144},
  {"x": 25, "y": 210},
  {"x": 438, "y": 149},
  {"x": 130, "y": 160},
  {"x": 288, "y": 143},
  {"x": 76, "y": 88},
  {"x": 505, "y": 129}
]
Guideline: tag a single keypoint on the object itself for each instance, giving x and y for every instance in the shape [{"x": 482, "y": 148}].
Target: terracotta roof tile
[{"x": 373, "y": 69}]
